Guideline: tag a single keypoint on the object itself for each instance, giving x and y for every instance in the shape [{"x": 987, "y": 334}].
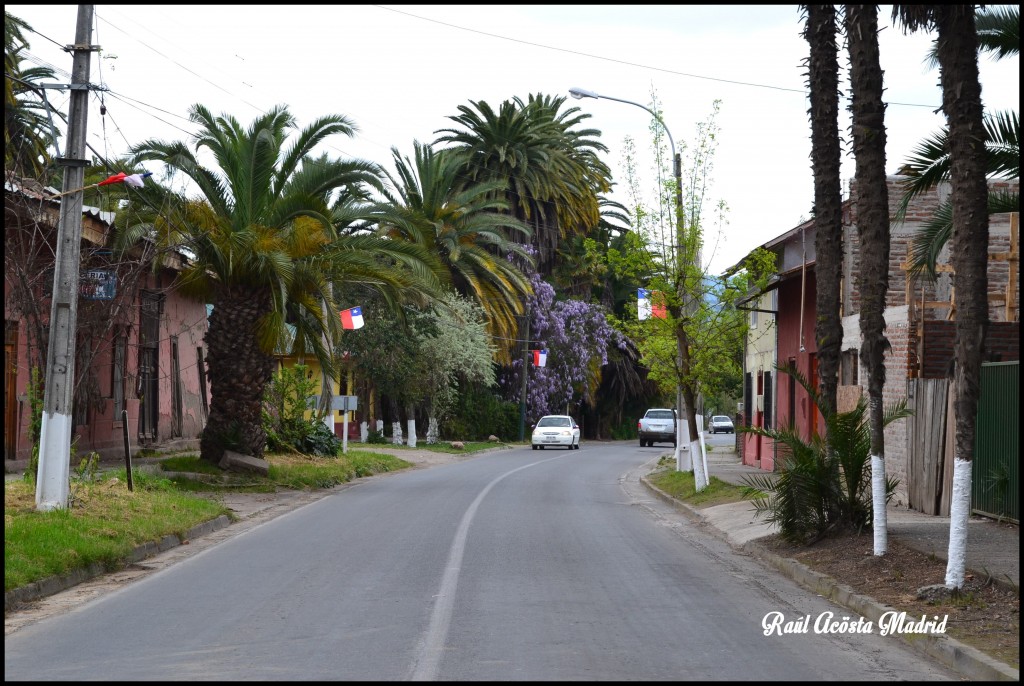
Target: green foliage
[
  {"x": 284, "y": 411},
  {"x": 320, "y": 441},
  {"x": 820, "y": 487},
  {"x": 377, "y": 437},
  {"x": 480, "y": 412}
]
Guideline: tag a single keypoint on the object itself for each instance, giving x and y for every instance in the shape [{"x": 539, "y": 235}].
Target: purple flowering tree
[{"x": 577, "y": 337}]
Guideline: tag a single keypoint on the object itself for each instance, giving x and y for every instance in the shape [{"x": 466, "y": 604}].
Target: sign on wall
[{"x": 98, "y": 284}]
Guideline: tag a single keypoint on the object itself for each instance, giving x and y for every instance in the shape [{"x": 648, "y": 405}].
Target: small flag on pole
[
  {"x": 646, "y": 307},
  {"x": 116, "y": 178},
  {"x": 540, "y": 358},
  {"x": 352, "y": 318},
  {"x": 643, "y": 304},
  {"x": 135, "y": 180}
]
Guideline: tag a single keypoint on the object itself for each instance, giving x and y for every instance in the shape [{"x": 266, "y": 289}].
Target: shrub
[
  {"x": 284, "y": 414},
  {"x": 821, "y": 486}
]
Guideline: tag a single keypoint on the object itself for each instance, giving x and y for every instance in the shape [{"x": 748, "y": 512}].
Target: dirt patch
[{"x": 985, "y": 616}]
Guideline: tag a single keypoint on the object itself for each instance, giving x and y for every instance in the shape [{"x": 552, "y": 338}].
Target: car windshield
[
  {"x": 553, "y": 421},
  {"x": 659, "y": 414},
  {"x": 720, "y": 418}
]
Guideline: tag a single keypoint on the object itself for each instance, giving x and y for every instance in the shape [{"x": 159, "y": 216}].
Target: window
[
  {"x": 753, "y": 319},
  {"x": 848, "y": 372},
  {"x": 201, "y": 366}
]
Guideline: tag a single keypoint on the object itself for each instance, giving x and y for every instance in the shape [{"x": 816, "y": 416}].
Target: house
[
  {"x": 140, "y": 370},
  {"x": 919, "y": 318}
]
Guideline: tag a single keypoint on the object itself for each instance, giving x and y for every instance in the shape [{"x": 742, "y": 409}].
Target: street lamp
[{"x": 682, "y": 343}]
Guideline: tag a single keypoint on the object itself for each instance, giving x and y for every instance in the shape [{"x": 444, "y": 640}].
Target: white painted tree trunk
[
  {"x": 959, "y": 512},
  {"x": 879, "y": 521},
  {"x": 700, "y": 475},
  {"x": 432, "y": 431},
  {"x": 380, "y": 426},
  {"x": 364, "y": 431},
  {"x": 684, "y": 459},
  {"x": 396, "y": 433},
  {"x": 411, "y": 441}
]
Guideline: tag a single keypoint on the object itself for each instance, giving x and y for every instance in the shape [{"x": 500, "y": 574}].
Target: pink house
[
  {"x": 919, "y": 322},
  {"x": 140, "y": 356}
]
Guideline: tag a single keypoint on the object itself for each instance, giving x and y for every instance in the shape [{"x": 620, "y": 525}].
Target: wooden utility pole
[{"x": 52, "y": 486}]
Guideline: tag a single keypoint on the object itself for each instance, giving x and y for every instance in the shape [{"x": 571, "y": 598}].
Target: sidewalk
[{"x": 993, "y": 550}]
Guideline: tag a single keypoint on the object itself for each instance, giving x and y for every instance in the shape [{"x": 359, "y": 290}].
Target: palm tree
[
  {"x": 873, "y": 230},
  {"x": 823, "y": 79},
  {"x": 957, "y": 49},
  {"x": 998, "y": 31},
  {"x": 551, "y": 172},
  {"x": 264, "y": 251},
  {"x": 28, "y": 131},
  {"x": 465, "y": 227}
]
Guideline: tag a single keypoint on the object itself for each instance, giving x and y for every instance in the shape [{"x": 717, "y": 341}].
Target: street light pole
[{"x": 685, "y": 397}]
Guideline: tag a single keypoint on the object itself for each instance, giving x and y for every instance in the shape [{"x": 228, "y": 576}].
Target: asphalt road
[{"x": 517, "y": 565}]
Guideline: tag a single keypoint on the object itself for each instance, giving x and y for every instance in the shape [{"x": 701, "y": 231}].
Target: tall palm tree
[
  {"x": 957, "y": 49},
  {"x": 866, "y": 85},
  {"x": 265, "y": 252},
  {"x": 550, "y": 170},
  {"x": 823, "y": 79},
  {"x": 465, "y": 226},
  {"x": 28, "y": 134},
  {"x": 998, "y": 31}
]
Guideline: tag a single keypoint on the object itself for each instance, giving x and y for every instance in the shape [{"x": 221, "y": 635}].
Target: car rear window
[
  {"x": 720, "y": 418},
  {"x": 660, "y": 414}
]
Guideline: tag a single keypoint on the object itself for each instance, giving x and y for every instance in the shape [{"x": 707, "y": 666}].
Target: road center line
[{"x": 431, "y": 647}]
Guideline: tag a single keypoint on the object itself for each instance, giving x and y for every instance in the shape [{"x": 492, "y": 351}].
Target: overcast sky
[{"x": 399, "y": 72}]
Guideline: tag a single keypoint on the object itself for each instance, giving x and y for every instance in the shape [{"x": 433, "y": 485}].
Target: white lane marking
[{"x": 428, "y": 660}]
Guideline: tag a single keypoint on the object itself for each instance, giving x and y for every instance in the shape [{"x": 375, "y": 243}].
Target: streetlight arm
[{"x": 580, "y": 93}]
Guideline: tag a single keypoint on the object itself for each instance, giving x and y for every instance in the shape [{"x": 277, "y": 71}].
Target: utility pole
[
  {"x": 526, "y": 369},
  {"x": 52, "y": 486}
]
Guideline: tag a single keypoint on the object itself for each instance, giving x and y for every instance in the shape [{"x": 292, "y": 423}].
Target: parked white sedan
[{"x": 556, "y": 429}]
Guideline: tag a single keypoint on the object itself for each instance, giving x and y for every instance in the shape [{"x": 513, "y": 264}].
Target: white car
[
  {"x": 720, "y": 422},
  {"x": 556, "y": 429}
]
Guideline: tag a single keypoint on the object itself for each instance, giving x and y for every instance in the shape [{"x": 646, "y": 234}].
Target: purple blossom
[{"x": 577, "y": 337}]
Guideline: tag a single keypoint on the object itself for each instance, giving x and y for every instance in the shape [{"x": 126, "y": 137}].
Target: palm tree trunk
[
  {"x": 872, "y": 203},
  {"x": 823, "y": 78},
  {"x": 961, "y": 101},
  {"x": 239, "y": 370}
]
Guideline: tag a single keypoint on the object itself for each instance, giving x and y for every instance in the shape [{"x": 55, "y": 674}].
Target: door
[
  {"x": 11, "y": 390},
  {"x": 149, "y": 379}
]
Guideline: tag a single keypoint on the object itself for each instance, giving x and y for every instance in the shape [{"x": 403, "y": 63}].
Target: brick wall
[
  {"x": 1002, "y": 344},
  {"x": 921, "y": 210}
]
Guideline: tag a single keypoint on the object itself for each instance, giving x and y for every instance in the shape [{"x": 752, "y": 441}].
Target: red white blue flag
[
  {"x": 352, "y": 318},
  {"x": 128, "y": 180},
  {"x": 650, "y": 304},
  {"x": 540, "y": 358}
]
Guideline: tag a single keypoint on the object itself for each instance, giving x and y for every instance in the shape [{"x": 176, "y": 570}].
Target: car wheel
[
  {"x": 577, "y": 446},
  {"x": 642, "y": 443},
  {"x": 541, "y": 447},
  {"x": 534, "y": 447}
]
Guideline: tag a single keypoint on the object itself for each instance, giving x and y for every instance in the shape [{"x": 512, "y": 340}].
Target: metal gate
[{"x": 995, "y": 479}]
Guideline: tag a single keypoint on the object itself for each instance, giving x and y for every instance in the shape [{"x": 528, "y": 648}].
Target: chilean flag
[
  {"x": 352, "y": 318},
  {"x": 540, "y": 358},
  {"x": 645, "y": 308}
]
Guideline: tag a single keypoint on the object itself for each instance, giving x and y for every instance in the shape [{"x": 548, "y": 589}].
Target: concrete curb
[
  {"x": 13, "y": 599},
  {"x": 963, "y": 659}
]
